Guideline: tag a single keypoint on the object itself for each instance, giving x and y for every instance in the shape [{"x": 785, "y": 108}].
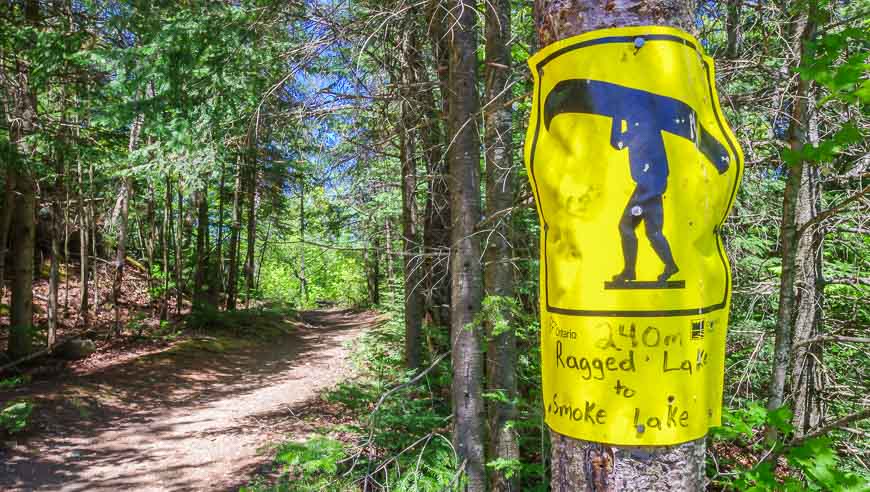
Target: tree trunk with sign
[{"x": 582, "y": 465}]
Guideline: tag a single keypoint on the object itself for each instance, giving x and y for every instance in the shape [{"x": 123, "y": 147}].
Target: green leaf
[
  {"x": 780, "y": 419},
  {"x": 15, "y": 417},
  {"x": 509, "y": 467},
  {"x": 819, "y": 463}
]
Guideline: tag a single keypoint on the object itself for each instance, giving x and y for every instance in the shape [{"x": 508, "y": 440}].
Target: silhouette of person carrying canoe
[{"x": 638, "y": 120}]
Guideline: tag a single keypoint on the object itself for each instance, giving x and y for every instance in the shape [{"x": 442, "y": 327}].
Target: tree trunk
[
  {"x": 582, "y": 465},
  {"x": 166, "y": 228},
  {"x": 124, "y": 212},
  {"x": 263, "y": 249},
  {"x": 469, "y": 413},
  {"x": 303, "y": 280},
  {"x": 388, "y": 240},
  {"x": 92, "y": 219},
  {"x": 232, "y": 276},
  {"x": 56, "y": 231},
  {"x": 23, "y": 239},
  {"x": 807, "y": 369},
  {"x": 84, "y": 245},
  {"x": 501, "y": 352},
  {"x": 250, "y": 255},
  {"x": 84, "y": 242},
  {"x": 140, "y": 234},
  {"x": 436, "y": 227},
  {"x": 797, "y": 137},
  {"x": 410, "y": 242},
  {"x": 732, "y": 28},
  {"x": 54, "y": 272},
  {"x": 66, "y": 256},
  {"x": 199, "y": 293},
  {"x": 6, "y": 220},
  {"x": 121, "y": 251},
  {"x": 373, "y": 272},
  {"x": 24, "y": 218},
  {"x": 559, "y": 19},
  {"x": 218, "y": 286},
  {"x": 179, "y": 249},
  {"x": 151, "y": 242}
]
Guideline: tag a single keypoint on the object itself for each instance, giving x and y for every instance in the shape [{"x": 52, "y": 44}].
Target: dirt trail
[{"x": 180, "y": 423}]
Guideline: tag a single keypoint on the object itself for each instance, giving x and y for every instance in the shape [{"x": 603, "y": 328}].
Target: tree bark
[
  {"x": 218, "y": 285},
  {"x": 25, "y": 114},
  {"x": 303, "y": 280},
  {"x": 92, "y": 220},
  {"x": 232, "y": 276},
  {"x": 436, "y": 227},
  {"x": 797, "y": 137},
  {"x": 388, "y": 239},
  {"x": 179, "y": 248},
  {"x": 6, "y": 220},
  {"x": 559, "y": 19},
  {"x": 54, "y": 272},
  {"x": 199, "y": 292},
  {"x": 23, "y": 239},
  {"x": 151, "y": 242},
  {"x": 59, "y": 193},
  {"x": 582, "y": 465},
  {"x": 166, "y": 233},
  {"x": 250, "y": 256},
  {"x": 66, "y": 256},
  {"x": 263, "y": 248},
  {"x": 806, "y": 369},
  {"x": 408, "y": 152},
  {"x": 469, "y": 413},
  {"x": 501, "y": 352},
  {"x": 373, "y": 271},
  {"x": 732, "y": 28},
  {"x": 84, "y": 245}
]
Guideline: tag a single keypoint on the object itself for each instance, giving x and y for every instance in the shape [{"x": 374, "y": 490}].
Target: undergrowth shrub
[
  {"x": 402, "y": 445},
  {"x": 15, "y": 417},
  {"x": 319, "y": 454},
  {"x": 13, "y": 382},
  {"x": 742, "y": 459}
]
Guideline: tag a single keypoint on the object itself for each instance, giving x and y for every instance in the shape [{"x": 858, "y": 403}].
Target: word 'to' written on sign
[{"x": 634, "y": 170}]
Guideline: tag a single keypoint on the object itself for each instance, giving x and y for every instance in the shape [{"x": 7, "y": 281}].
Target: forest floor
[{"x": 200, "y": 413}]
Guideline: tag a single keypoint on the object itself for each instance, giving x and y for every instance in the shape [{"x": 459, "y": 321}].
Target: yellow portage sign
[{"x": 634, "y": 171}]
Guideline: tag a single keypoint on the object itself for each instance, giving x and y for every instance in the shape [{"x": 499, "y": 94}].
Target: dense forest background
[{"x": 173, "y": 165}]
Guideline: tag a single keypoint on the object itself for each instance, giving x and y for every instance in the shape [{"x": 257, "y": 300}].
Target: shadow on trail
[{"x": 131, "y": 426}]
